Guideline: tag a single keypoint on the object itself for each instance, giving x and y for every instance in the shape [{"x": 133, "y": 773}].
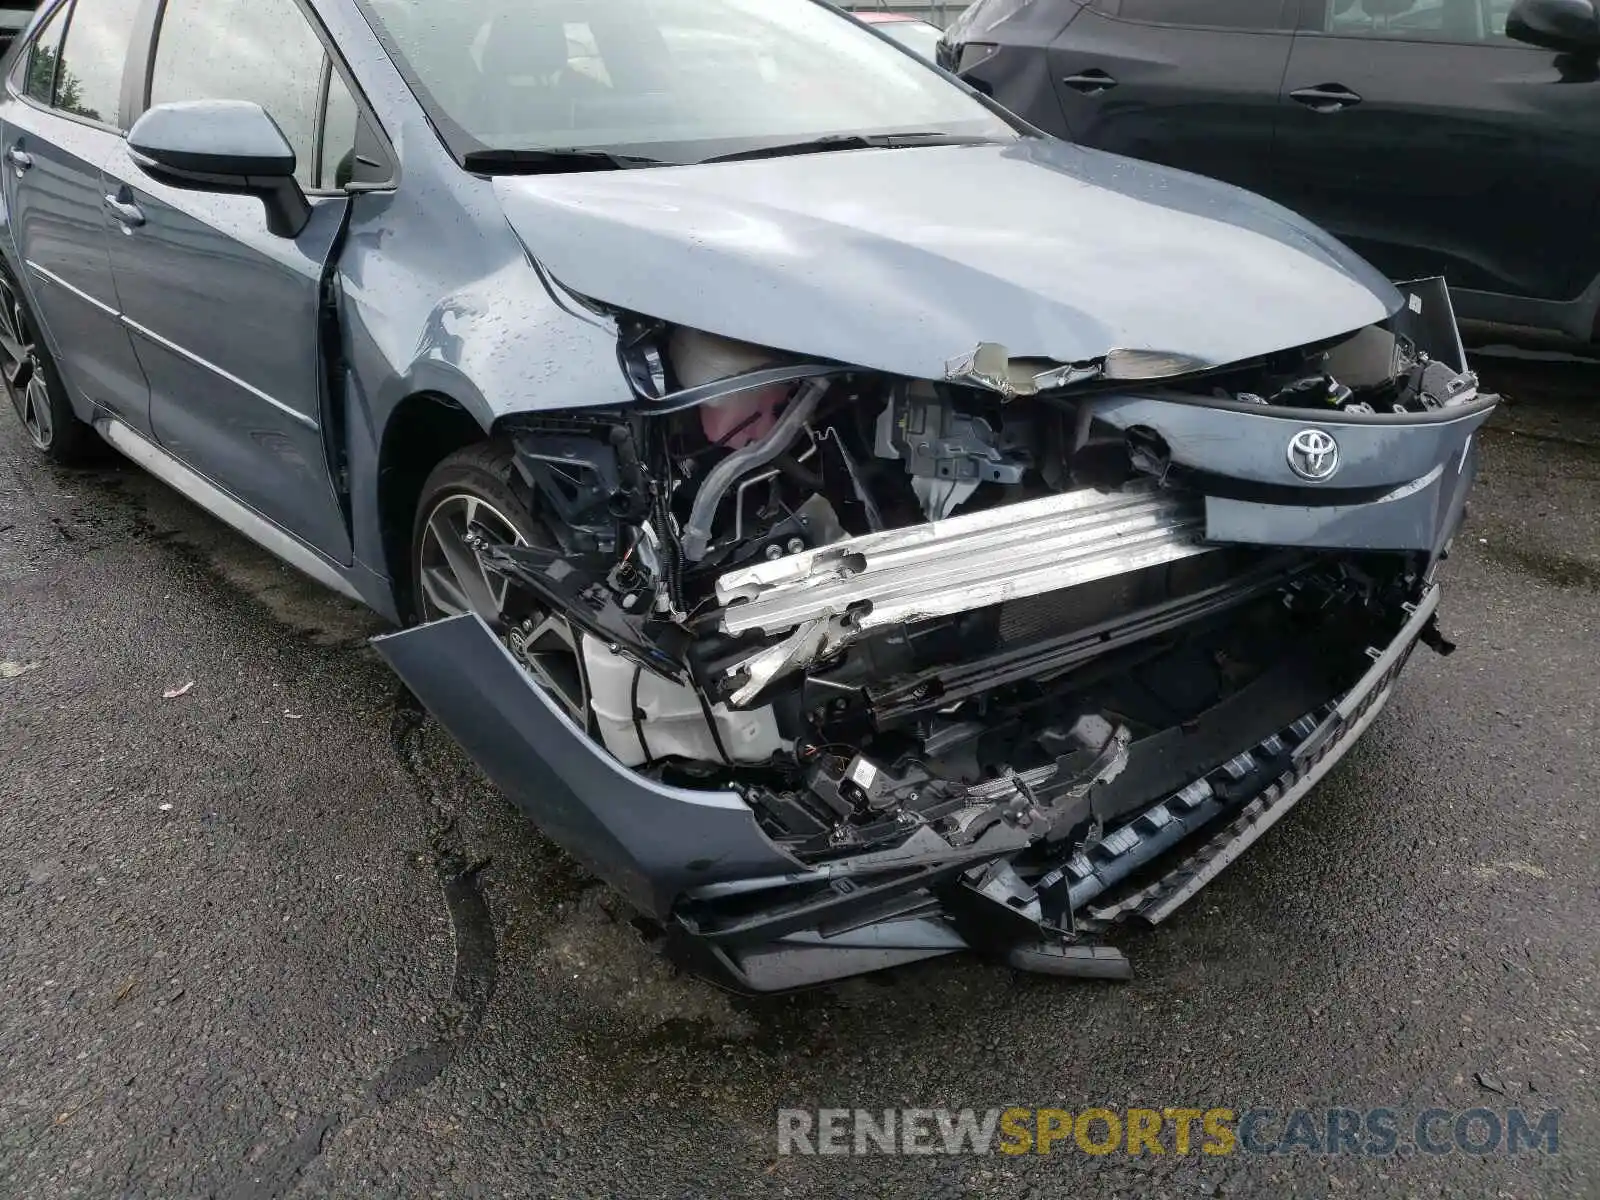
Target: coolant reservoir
[
  {"x": 743, "y": 417},
  {"x": 640, "y": 716}
]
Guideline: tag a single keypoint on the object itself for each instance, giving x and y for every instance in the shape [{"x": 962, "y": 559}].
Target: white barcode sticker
[{"x": 863, "y": 773}]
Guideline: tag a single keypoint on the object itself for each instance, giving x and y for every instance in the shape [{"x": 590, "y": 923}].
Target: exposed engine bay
[{"x": 977, "y": 631}]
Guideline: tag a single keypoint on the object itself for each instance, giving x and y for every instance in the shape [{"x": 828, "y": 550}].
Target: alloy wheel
[
  {"x": 454, "y": 581},
  {"x": 452, "y": 577},
  {"x": 20, "y": 368}
]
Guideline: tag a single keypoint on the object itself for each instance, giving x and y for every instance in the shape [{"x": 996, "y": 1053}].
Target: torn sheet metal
[{"x": 991, "y": 366}]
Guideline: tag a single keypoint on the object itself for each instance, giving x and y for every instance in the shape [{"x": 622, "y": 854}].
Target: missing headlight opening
[{"x": 995, "y": 667}]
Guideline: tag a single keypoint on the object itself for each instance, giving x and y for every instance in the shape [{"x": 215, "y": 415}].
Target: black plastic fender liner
[{"x": 649, "y": 841}]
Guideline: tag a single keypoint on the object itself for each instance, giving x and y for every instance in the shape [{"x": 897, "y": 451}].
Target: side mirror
[
  {"x": 223, "y": 146},
  {"x": 1568, "y": 25}
]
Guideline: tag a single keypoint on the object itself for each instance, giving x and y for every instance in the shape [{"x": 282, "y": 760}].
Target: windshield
[
  {"x": 673, "y": 80},
  {"x": 916, "y": 36}
]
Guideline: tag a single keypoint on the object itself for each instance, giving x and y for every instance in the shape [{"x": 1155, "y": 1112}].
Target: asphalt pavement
[{"x": 274, "y": 935}]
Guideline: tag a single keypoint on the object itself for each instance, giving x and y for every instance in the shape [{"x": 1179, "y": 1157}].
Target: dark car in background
[
  {"x": 14, "y": 19},
  {"x": 1435, "y": 137}
]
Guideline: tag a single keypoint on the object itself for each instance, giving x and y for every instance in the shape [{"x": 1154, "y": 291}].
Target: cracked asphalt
[{"x": 275, "y": 937}]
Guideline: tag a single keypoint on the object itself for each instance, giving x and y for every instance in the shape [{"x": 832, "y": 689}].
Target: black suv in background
[
  {"x": 1435, "y": 137},
  {"x": 14, "y": 18}
]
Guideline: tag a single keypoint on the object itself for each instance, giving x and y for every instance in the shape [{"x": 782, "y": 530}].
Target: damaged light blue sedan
[{"x": 858, "y": 527}]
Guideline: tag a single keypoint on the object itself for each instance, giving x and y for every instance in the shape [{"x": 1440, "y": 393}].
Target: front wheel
[
  {"x": 468, "y": 501},
  {"x": 35, "y": 387}
]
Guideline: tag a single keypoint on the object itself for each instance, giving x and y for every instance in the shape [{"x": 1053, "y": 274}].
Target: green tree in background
[{"x": 65, "y": 93}]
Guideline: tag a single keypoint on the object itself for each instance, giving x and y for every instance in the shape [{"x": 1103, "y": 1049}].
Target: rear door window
[
  {"x": 89, "y": 75},
  {"x": 39, "y": 81},
  {"x": 1208, "y": 14},
  {"x": 1405, "y": 20}
]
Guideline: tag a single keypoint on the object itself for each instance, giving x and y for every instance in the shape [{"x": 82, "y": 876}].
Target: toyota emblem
[{"x": 1313, "y": 455}]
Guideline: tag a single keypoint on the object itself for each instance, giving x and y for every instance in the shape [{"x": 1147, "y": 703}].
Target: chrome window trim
[
  {"x": 190, "y": 356},
  {"x": 51, "y": 277},
  {"x": 166, "y": 344}
]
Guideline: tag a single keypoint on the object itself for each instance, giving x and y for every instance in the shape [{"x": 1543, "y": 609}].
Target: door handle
[
  {"x": 126, "y": 211},
  {"x": 1091, "y": 82},
  {"x": 1326, "y": 97},
  {"x": 19, "y": 158}
]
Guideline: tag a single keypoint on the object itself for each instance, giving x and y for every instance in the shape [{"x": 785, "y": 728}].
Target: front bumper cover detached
[
  {"x": 650, "y": 841},
  {"x": 660, "y": 845}
]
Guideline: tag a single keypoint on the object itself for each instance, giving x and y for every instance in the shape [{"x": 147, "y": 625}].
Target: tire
[
  {"x": 476, "y": 492},
  {"x": 34, "y": 386},
  {"x": 476, "y": 486}
]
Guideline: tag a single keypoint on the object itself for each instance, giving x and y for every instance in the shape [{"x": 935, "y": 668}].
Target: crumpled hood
[{"x": 903, "y": 260}]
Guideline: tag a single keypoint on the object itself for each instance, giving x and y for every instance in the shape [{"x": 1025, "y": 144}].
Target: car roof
[{"x": 876, "y": 16}]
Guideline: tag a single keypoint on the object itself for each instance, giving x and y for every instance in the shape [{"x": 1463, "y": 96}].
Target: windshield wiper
[
  {"x": 853, "y": 141},
  {"x": 543, "y": 161}
]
